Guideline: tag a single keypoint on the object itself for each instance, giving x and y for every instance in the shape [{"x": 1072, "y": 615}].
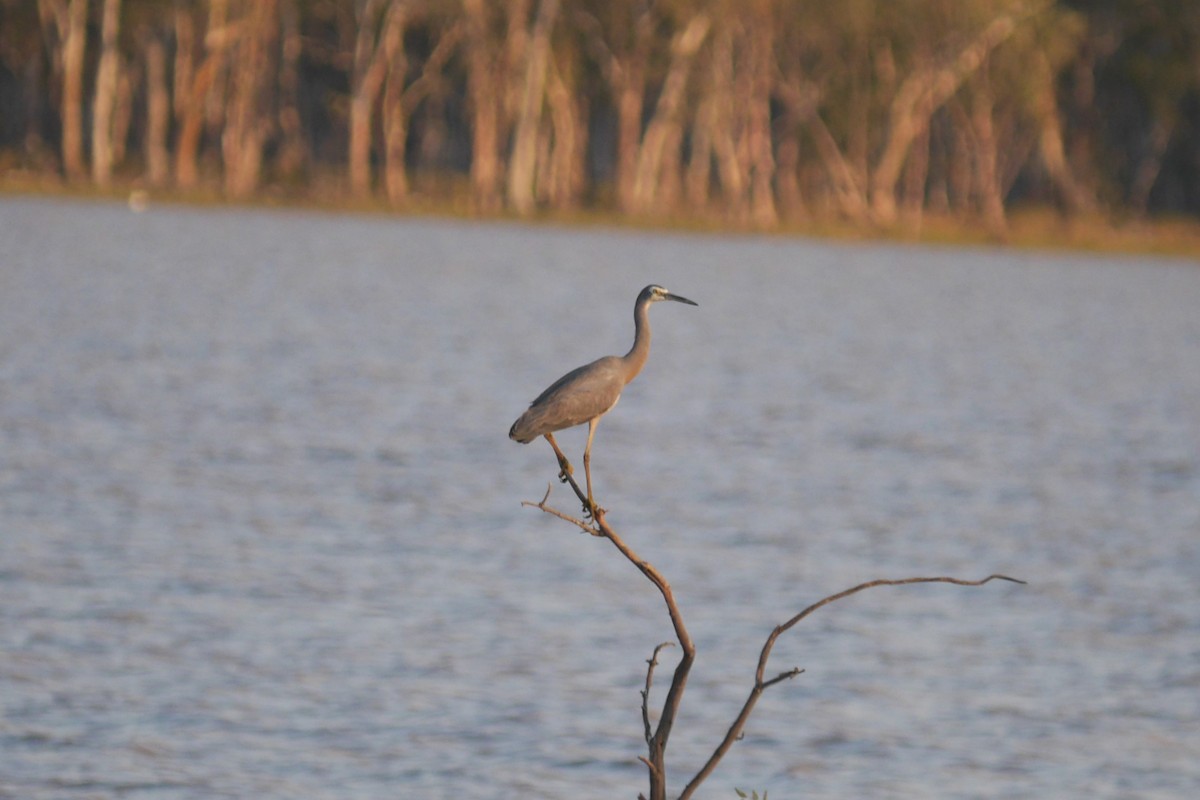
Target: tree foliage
[{"x": 755, "y": 112}]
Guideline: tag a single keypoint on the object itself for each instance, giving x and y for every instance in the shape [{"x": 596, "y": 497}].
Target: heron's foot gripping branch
[{"x": 591, "y": 510}]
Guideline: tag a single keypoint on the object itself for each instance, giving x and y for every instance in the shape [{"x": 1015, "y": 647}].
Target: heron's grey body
[
  {"x": 589, "y": 392},
  {"x": 583, "y": 394}
]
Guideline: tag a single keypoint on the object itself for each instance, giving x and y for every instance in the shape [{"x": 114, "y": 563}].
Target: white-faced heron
[{"x": 589, "y": 392}]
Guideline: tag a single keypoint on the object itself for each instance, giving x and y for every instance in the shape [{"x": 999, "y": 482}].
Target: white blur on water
[{"x": 261, "y": 532}]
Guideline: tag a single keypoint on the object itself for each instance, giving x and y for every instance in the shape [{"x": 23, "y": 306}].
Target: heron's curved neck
[{"x": 635, "y": 359}]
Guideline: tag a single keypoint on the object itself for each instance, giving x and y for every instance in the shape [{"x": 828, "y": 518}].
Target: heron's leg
[
  {"x": 590, "y": 505},
  {"x": 564, "y": 465}
]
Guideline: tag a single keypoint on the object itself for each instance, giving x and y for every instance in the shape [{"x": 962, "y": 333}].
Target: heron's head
[{"x": 653, "y": 293}]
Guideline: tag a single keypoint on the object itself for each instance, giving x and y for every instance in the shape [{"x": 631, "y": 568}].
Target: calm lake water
[{"x": 261, "y": 532}]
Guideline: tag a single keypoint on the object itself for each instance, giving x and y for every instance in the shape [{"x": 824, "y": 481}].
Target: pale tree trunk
[
  {"x": 105, "y": 102},
  {"x": 859, "y": 108},
  {"x": 68, "y": 20},
  {"x": 395, "y": 117},
  {"x": 491, "y": 91},
  {"x": 921, "y": 94},
  {"x": 400, "y": 100},
  {"x": 74, "y": 45},
  {"x": 914, "y": 178},
  {"x": 561, "y": 180},
  {"x": 987, "y": 172},
  {"x": 127, "y": 85},
  {"x": 195, "y": 85},
  {"x": 723, "y": 121},
  {"x": 375, "y": 20},
  {"x": 395, "y": 138},
  {"x": 523, "y": 164},
  {"x": 652, "y": 184},
  {"x": 221, "y": 29},
  {"x": 484, "y": 89},
  {"x": 185, "y": 59},
  {"x": 736, "y": 118},
  {"x": 158, "y": 109},
  {"x": 631, "y": 102},
  {"x": 248, "y": 121},
  {"x": 191, "y": 85},
  {"x": 627, "y": 77},
  {"x": 191, "y": 125}
]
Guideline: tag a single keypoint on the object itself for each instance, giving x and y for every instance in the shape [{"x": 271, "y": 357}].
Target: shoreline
[{"x": 1037, "y": 228}]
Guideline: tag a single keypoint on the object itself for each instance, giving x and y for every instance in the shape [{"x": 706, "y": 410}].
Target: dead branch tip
[{"x": 783, "y": 676}]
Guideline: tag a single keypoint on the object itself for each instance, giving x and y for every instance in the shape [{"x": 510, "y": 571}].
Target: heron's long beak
[{"x": 669, "y": 296}]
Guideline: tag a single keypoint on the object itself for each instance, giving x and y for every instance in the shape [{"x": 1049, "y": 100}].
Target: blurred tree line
[{"x": 750, "y": 111}]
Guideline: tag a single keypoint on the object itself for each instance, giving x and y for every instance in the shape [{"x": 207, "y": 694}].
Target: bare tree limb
[
  {"x": 657, "y": 741},
  {"x": 656, "y": 738}
]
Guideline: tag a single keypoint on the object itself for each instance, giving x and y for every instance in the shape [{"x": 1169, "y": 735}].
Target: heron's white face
[{"x": 658, "y": 293}]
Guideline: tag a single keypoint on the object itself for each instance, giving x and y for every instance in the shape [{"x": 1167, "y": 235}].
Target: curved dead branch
[
  {"x": 760, "y": 684},
  {"x": 656, "y": 737}
]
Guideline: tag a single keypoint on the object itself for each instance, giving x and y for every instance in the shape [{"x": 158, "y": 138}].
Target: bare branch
[
  {"x": 783, "y": 676},
  {"x": 653, "y": 662},
  {"x": 657, "y": 740},
  {"x": 581, "y": 524},
  {"x": 760, "y": 685},
  {"x": 868, "y": 585}
]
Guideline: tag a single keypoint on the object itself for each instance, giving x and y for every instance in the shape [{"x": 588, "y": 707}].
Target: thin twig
[
  {"x": 783, "y": 676},
  {"x": 581, "y": 524},
  {"x": 653, "y": 662}
]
